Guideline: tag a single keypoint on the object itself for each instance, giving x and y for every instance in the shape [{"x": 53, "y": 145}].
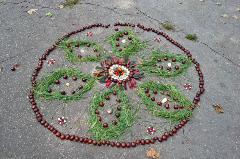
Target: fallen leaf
[
  {"x": 20, "y": 6},
  {"x": 169, "y": 99},
  {"x": 61, "y": 6},
  {"x": 16, "y": 64},
  {"x": 49, "y": 14},
  {"x": 238, "y": 9},
  {"x": 235, "y": 17},
  {"x": 0, "y": 70},
  {"x": 73, "y": 23},
  {"x": 180, "y": 2},
  {"x": 218, "y": 4},
  {"x": 31, "y": 11},
  {"x": 224, "y": 15},
  {"x": 152, "y": 153},
  {"x": 198, "y": 103},
  {"x": 223, "y": 46},
  {"x": 164, "y": 45},
  {"x": 52, "y": 18},
  {"x": 201, "y": 0},
  {"x": 97, "y": 72},
  {"x": 218, "y": 108}
]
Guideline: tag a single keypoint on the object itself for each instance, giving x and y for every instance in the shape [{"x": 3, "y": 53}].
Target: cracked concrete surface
[{"x": 24, "y": 38}]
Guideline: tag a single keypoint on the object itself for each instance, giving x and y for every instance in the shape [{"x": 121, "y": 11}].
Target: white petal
[{"x": 164, "y": 100}]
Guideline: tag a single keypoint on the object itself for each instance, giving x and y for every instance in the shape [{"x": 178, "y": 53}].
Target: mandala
[{"x": 122, "y": 87}]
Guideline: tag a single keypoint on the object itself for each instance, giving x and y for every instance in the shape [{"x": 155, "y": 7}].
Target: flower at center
[{"x": 118, "y": 72}]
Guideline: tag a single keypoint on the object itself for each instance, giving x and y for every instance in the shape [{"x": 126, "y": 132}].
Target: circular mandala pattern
[{"x": 118, "y": 73}]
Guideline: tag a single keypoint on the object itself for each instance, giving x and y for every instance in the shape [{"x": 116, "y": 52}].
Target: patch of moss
[
  {"x": 167, "y": 25},
  {"x": 191, "y": 36},
  {"x": 70, "y": 3}
]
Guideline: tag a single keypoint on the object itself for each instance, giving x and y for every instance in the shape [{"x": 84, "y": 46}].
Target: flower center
[{"x": 118, "y": 72}]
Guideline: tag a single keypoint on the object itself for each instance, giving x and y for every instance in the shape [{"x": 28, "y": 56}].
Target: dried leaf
[
  {"x": 0, "y": 70},
  {"x": 52, "y": 18},
  {"x": 73, "y": 23},
  {"x": 16, "y": 64},
  {"x": 152, "y": 153},
  {"x": 224, "y": 15},
  {"x": 164, "y": 45},
  {"x": 169, "y": 99},
  {"x": 223, "y": 46},
  {"x": 238, "y": 9},
  {"x": 198, "y": 103},
  {"x": 218, "y": 108},
  {"x": 49, "y": 14},
  {"x": 235, "y": 17},
  {"x": 201, "y": 0},
  {"x": 20, "y": 6},
  {"x": 61, "y": 6},
  {"x": 97, "y": 72},
  {"x": 31, "y": 11},
  {"x": 218, "y": 4}
]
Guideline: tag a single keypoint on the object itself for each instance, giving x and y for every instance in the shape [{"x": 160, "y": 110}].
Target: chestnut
[
  {"x": 159, "y": 60},
  {"x": 57, "y": 81},
  {"x": 175, "y": 106},
  {"x": 74, "y": 78},
  {"x": 147, "y": 141},
  {"x": 85, "y": 140},
  {"x": 154, "y": 91},
  {"x": 58, "y": 134},
  {"x": 123, "y": 144},
  {"x": 84, "y": 79},
  {"x": 119, "y": 49},
  {"x": 117, "y": 38},
  {"x": 146, "y": 90},
  {"x": 129, "y": 38},
  {"x": 112, "y": 144},
  {"x": 63, "y": 92},
  {"x": 118, "y": 108},
  {"x": 81, "y": 139},
  {"x": 118, "y": 144},
  {"x": 138, "y": 142},
  {"x": 116, "y": 29},
  {"x": 183, "y": 62},
  {"x": 153, "y": 98},
  {"x": 169, "y": 68},
  {"x": 73, "y": 92},
  {"x": 173, "y": 60},
  {"x": 99, "y": 118},
  {"x": 120, "y": 35},
  {"x": 13, "y": 68},
  {"x": 181, "y": 106},
  {"x": 154, "y": 64},
  {"x": 164, "y": 137},
  {"x": 90, "y": 141},
  {"x": 166, "y": 106},
  {"x": 165, "y": 58},
  {"x": 176, "y": 67},
  {"x": 175, "y": 98},
  {"x": 152, "y": 141},
  {"x": 117, "y": 115},
  {"x": 70, "y": 50},
  {"x": 62, "y": 136},
  {"x": 101, "y": 104},
  {"x": 118, "y": 100},
  {"x": 133, "y": 144},
  {"x": 65, "y": 76},
  {"x": 160, "y": 139},
  {"x": 159, "y": 103},
  {"x": 105, "y": 125},
  {"x": 174, "y": 130},
  {"x": 88, "y": 45},
  {"x": 148, "y": 95},
  {"x": 126, "y": 33},
  {"x": 117, "y": 44},
  {"x": 80, "y": 87},
  {"x": 103, "y": 142},
  {"x": 114, "y": 92},
  {"x": 160, "y": 66},
  {"x": 94, "y": 142},
  {"x": 96, "y": 112},
  {"x": 142, "y": 141},
  {"x": 114, "y": 122},
  {"x": 76, "y": 138}
]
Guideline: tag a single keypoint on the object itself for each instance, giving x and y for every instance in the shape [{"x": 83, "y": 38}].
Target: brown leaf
[
  {"x": 201, "y": 0},
  {"x": 224, "y": 15},
  {"x": 169, "y": 99},
  {"x": 223, "y": 46},
  {"x": 61, "y": 6},
  {"x": 218, "y": 108},
  {"x": 16, "y": 64},
  {"x": 238, "y": 9},
  {"x": 198, "y": 103},
  {"x": 52, "y": 18},
  {"x": 152, "y": 153},
  {"x": 31, "y": 11},
  {"x": 164, "y": 45},
  {"x": 73, "y": 23},
  {"x": 235, "y": 17},
  {"x": 97, "y": 72},
  {"x": 20, "y": 6}
]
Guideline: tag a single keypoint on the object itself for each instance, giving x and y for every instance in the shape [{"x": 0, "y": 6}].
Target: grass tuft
[
  {"x": 70, "y": 3},
  {"x": 191, "y": 36},
  {"x": 167, "y": 25}
]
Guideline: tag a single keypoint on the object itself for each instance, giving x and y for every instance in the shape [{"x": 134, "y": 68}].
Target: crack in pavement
[
  {"x": 219, "y": 53},
  {"x": 16, "y": 55}
]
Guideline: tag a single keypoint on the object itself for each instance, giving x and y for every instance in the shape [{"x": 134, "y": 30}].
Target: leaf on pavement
[
  {"x": 235, "y": 17},
  {"x": 152, "y": 153},
  {"x": 201, "y": 0},
  {"x": 49, "y": 14},
  {"x": 218, "y": 4},
  {"x": 16, "y": 64},
  {"x": 238, "y": 9},
  {"x": 73, "y": 23},
  {"x": 218, "y": 108},
  {"x": 31, "y": 11},
  {"x": 224, "y": 15},
  {"x": 61, "y": 6}
]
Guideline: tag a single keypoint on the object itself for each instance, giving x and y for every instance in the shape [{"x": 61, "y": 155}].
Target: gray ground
[{"x": 24, "y": 38}]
